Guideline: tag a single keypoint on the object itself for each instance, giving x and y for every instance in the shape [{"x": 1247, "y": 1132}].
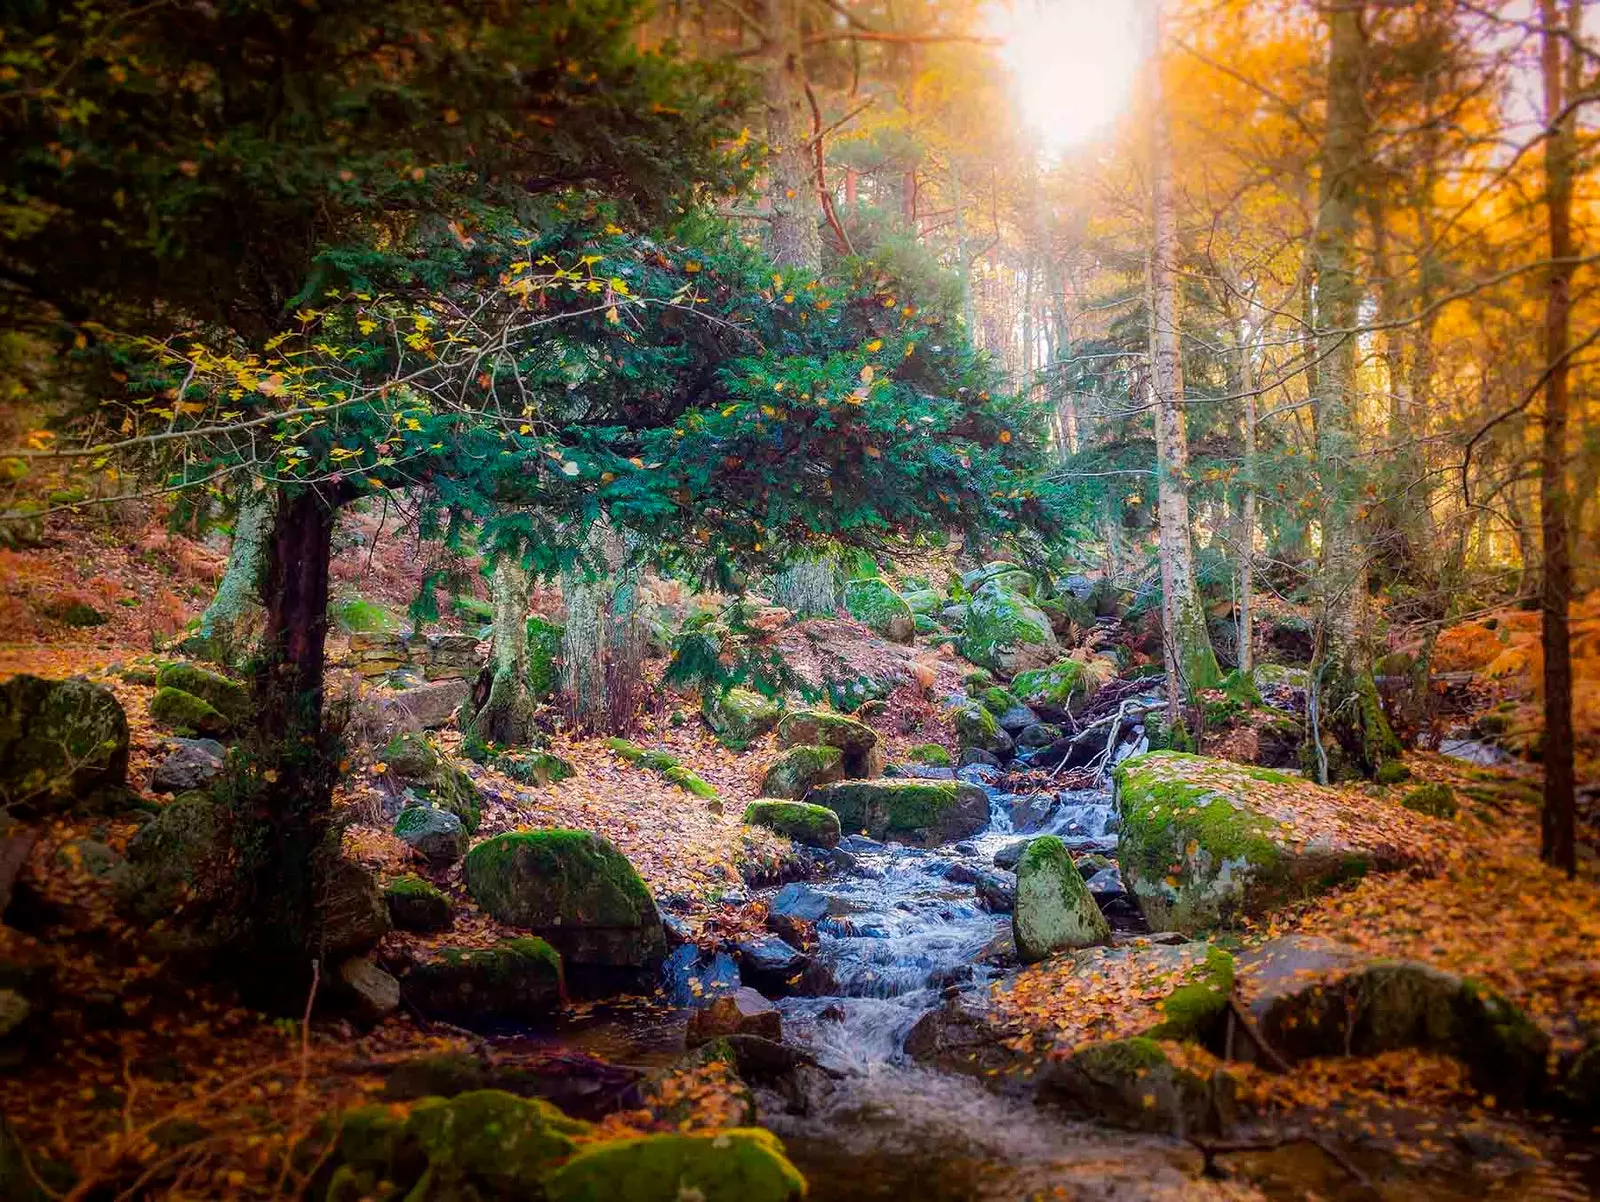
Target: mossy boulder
[
  {"x": 434, "y": 834},
  {"x": 742, "y": 1164},
  {"x": 1003, "y": 574},
  {"x": 910, "y": 811},
  {"x": 1006, "y": 633},
  {"x": 478, "y": 1145},
  {"x": 187, "y": 714},
  {"x": 800, "y": 769},
  {"x": 1436, "y": 799},
  {"x": 175, "y": 860},
  {"x": 739, "y": 716},
  {"x": 1054, "y": 911},
  {"x": 1062, "y": 687},
  {"x": 532, "y": 766},
  {"x": 876, "y": 605},
  {"x": 813, "y": 825},
  {"x": 1135, "y": 1083},
  {"x": 929, "y": 753},
  {"x": 1206, "y": 842},
  {"x": 513, "y": 982},
  {"x": 227, "y": 697},
  {"x": 579, "y": 892},
  {"x": 63, "y": 743},
  {"x": 998, "y": 701},
  {"x": 922, "y": 602},
  {"x": 975, "y": 726},
  {"x": 863, "y": 757},
  {"x": 1313, "y": 997},
  {"x": 416, "y": 905},
  {"x": 414, "y": 761}
]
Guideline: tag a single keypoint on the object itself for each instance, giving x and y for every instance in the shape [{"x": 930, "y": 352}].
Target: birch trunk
[{"x": 1191, "y": 662}]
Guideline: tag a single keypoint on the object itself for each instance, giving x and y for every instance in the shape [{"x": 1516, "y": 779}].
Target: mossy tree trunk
[
  {"x": 809, "y": 587},
  {"x": 1191, "y": 661},
  {"x": 583, "y": 666},
  {"x": 228, "y": 628},
  {"x": 503, "y": 703},
  {"x": 625, "y": 643},
  {"x": 1349, "y": 716}
]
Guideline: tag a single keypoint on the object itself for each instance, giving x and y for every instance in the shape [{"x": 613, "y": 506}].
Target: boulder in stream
[
  {"x": 800, "y": 769},
  {"x": 1054, "y": 910},
  {"x": 922, "y": 812},
  {"x": 1136, "y": 1083},
  {"x": 514, "y": 982},
  {"x": 863, "y": 757},
  {"x": 742, "y": 1164}
]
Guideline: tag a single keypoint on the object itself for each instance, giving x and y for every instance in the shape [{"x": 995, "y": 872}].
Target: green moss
[
  {"x": 1058, "y": 686},
  {"x": 1191, "y": 1011},
  {"x": 544, "y": 650},
  {"x": 1391, "y": 772},
  {"x": 929, "y": 753},
  {"x": 356, "y": 615},
  {"x": 412, "y": 758},
  {"x": 923, "y": 624},
  {"x": 1434, "y": 798},
  {"x": 902, "y": 808},
  {"x": 877, "y": 606},
  {"x": 548, "y": 878},
  {"x": 998, "y": 701},
  {"x": 665, "y": 763},
  {"x": 975, "y": 727},
  {"x": 75, "y": 613},
  {"x": 739, "y": 716},
  {"x": 184, "y": 712},
  {"x": 532, "y": 766},
  {"x": 977, "y": 680},
  {"x": 737, "y": 1165},
  {"x": 800, "y": 769},
  {"x": 923, "y": 601},
  {"x": 690, "y": 782},
  {"x": 819, "y": 727},
  {"x": 1054, "y": 910},
  {"x": 998, "y": 624},
  {"x": 814, "y": 825},
  {"x": 472, "y": 609},
  {"x": 228, "y": 697}
]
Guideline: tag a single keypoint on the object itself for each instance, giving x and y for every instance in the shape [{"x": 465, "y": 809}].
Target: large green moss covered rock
[
  {"x": 1063, "y": 686},
  {"x": 62, "y": 743},
  {"x": 175, "y": 859},
  {"x": 743, "y": 1164},
  {"x": 739, "y": 716},
  {"x": 925, "y": 812},
  {"x": 477, "y": 1145},
  {"x": 579, "y": 892},
  {"x": 922, "y": 602},
  {"x": 1312, "y": 997},
  {"x": 416, "y": 905},
  {"x": 434, "y": 834},
  {"x": 800, "y": 769},
  {"x": 1005, "y": 632},
  {"x": 227, "y": 697},
  {"x": 813, "y": 825},
  {"x": 1054, "y": 911},
  {"x": 1134, "y": 1083},
  {"x": 1207, "y": 842},
  {"x": 413, "y": 760},
  {"x": 863, "y": 757},
  {"x": 516, "y": 981},
  {"x": 187, "y": 714},
  {"x": 876, "y": 605}
]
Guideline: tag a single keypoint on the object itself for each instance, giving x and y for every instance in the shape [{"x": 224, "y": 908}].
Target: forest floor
[{"x": 157, "y": 1079}]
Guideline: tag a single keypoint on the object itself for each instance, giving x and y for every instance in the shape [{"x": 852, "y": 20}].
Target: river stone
[
  {"x": 62, "y": 742},
  {"x": 1312, "y": 997},
  {"x": 863, "y": 757},
  {"x": 742, "y": 1012},
  {"x": 191, "y": 764},
  {"x": 415, "y": 905},
  {"x": 997, "y": 891},
  {"x": 580, "y": 893},
  {"x": 1105, "y": 885},
  {"x": 800, "y": 769},
  {"x": 801, "y": 901},
  {"x": 739, "y": 716},
  {"x": 928, "y": 813},
  {"x": 691, "y": 976},
  {"x": 1008, "y": 855},
  {"x": 1133, "y": 1083},
  {"x": 971, "y": 756},
  {"x": 878, "y": 607},
  {"x": 1041, "y": 734},
  {"x": 1054, "y": 911},
  {"x": 435, "y": 835},
  {"x": 1006, "y": 633},
  {"x": 976, "y": 728},
  {"x": 741, "y": 1164},
  {"x": 1206, "y": 842},
  {"x": 375, "y": 994},
  {"x": 1017, "y": 719},
  {"x": 514, "y": 981},
  {"x": 1060, "y": 688},
  {"x": 812, "y": 825}
]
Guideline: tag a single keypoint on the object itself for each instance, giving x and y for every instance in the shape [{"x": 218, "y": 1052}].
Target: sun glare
[{"x": 1073, "y": 64}]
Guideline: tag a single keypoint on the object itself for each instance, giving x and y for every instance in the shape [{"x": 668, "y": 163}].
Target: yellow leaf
[
  {"x": 612, "y": 316},
  {"x": 866, "y": 374},
  {"x": 875, "y": 346}
]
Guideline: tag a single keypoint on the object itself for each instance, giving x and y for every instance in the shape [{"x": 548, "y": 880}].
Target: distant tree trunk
[
  {"x": 231, "y": 623},
  {"x": 1247, "y": 512},
  {"x": 505, "y": 715},
  {"x": 1349, "y": 709},
  {"x": 1557, "y": 844},
  {"x": 583, "y": 650},
  {"x": 625, "y": 644},
  {"x": 808, "y": 587},
  {"x": 279, "y": 828},
  {"x": 1191, "y": 661},
  {"x": 793, "y": 236}
]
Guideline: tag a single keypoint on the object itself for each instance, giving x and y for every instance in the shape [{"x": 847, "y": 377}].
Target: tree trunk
[
  {"x": 583, "y": 652},
  {"x": 1191, "y": 661},
  {"x": 1557, "y": 844},
  {"x": 793, "y": 236},
  {"x": 808, "y": 588},
  {"x": 231, "y": 623},
  {"x": 280, "y": 826},
  {"x": 1349, "y": 708},
  {"x": 505, "y": 714},
  {"x": 625, "y": 645},
  {"x": 1247, "y": 514}
]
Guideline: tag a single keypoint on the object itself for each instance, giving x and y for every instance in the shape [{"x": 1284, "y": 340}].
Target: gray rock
[
  {"x": 997, "y": 891},
  {"x": 692, "y": 977},
  {"x": 192, "y": 764},
  {"x": 1054, "y": 911},
  {"x": 972, "y": 756},
  {"x": 351, "y": 910},
  {"x": 373, "y": 992},
  {"x": 857, "y": 844},
  {"x": 796, "y": 900},
  {"x": 1017, "y": 718},
  {"x": 1106, "y": 885},
  {"x": 438, "y": 836},
  {"x": 1008, "y": 855},
  {"x": 14, "y": 1011},
  {"x": 1041, "y": 734},
  {"x": 62, "y": 743}
]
